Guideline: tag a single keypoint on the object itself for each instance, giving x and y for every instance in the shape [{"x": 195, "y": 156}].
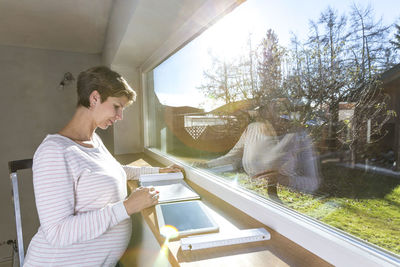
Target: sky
[{"x": 176, "y": 80}]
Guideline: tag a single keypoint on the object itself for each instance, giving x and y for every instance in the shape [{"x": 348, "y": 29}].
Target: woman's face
[{"x": 110, "y": 111}]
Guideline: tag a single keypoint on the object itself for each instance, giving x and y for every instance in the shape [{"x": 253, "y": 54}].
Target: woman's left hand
[{"x": 172, "y": 168}]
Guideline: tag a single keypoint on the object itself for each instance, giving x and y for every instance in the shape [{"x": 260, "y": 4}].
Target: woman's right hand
[
  {"x": 200, "y": 164},
  {"x": 141, "y": 198}
]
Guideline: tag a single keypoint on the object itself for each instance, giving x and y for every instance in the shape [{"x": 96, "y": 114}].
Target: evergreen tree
[
  {"x": 396, "y": 42},
  {"x": 270, "y": 68}
]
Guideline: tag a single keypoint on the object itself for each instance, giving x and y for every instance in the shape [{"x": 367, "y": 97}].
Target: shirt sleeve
[
  {"x": 54, "y": 188},
  {"x": 134, "y": 172},
  {"x": 233, "y": 157}
]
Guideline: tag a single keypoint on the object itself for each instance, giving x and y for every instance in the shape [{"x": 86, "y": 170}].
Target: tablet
[{"x": 188, "y": 217}]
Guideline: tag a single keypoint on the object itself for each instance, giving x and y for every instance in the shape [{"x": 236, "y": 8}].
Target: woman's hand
[
  {"x": 172, "y": 168},
  {"x": 200, "y": 164},
  {"x": 141, "y": 198}
]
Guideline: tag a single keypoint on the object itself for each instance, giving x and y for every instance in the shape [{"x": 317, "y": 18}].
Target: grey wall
[
  {"x": 31, "y": 106},
  {"x": 128, "y": 133}
]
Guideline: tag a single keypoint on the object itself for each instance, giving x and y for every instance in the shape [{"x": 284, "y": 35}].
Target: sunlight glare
[
  {"x": 235, "y": 181},
  {"x": 167, "y": 231},
  {"x": 229, "y": 35}
]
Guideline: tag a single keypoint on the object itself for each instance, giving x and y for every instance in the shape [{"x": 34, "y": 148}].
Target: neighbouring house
[
  {"x": 214, "y": 131},
  {"x": 390, "y": 143}
]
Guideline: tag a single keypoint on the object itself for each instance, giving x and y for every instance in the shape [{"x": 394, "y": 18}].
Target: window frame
[
  {"x": 339, "y": 248},
  {"x": 333, "y": 245}
]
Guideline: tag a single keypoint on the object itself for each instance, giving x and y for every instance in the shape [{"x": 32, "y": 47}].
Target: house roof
[
  {"x": 233, "y": 107},
  {"x": 391, "y": 77}
]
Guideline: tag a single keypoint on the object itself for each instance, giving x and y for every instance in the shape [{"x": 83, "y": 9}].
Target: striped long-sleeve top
[
  {"x": 79, "y": 193},
  {"x": 259, "y": 150}
]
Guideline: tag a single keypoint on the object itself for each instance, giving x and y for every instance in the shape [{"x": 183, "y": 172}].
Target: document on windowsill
[
  {"x": 145, "y": 178},
  {"x": 171, "y": 186},
  {"x": 222, "y": 168}
]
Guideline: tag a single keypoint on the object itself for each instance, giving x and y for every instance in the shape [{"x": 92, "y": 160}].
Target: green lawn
[{"x": 363, "y": 204}]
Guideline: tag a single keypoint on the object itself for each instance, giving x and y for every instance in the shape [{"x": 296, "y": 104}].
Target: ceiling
[
  {"x": 81, "y": 25},
  {"x": 67, "y": 25},
  {"x": 152, "y": 23}
]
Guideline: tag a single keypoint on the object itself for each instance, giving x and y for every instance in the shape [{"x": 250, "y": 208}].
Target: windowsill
[
  {"x": 278, "y": 251},
  {"x": 332, "y": 245}
]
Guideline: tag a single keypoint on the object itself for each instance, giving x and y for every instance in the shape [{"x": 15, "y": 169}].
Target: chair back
[{"x": 13, "y": 167}]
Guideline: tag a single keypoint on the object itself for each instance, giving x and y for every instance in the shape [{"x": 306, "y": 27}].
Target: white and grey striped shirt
[{"x": 79, "y": 194}]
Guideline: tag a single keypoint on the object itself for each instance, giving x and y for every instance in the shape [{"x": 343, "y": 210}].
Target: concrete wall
[
  {"x": 31, "y": 106},
  {"x": 128, "y": 133}
]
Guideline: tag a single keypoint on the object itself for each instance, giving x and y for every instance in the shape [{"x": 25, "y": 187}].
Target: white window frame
[{"x": 332, "y": 245}]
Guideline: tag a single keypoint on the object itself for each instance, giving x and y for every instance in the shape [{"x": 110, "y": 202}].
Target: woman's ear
[{"x": 94, "y": 98}]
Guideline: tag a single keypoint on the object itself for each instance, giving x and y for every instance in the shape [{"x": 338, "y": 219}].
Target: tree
[
  {"x": 369, "y": 57},
  {"x": 396, "y": 42},
  {"x": 270, "y": 68},
  {"x": 318, "y": 73},
  {"x": 339, "y": 65},
  {"x": 220, "y": 81},
  {"x": 248, "y": 81},
  {"x": 340, "y": 61},
  {"x": 369, "y": 38},
  {"x": 234, "y": 79}
]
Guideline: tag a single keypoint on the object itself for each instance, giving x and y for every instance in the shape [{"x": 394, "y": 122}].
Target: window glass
[{"x": 295, "y": 101}]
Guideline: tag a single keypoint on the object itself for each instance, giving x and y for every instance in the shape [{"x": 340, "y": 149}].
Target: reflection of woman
[
  {"x": 288, "y": 159},
  {"x": 80, "y": 188}
]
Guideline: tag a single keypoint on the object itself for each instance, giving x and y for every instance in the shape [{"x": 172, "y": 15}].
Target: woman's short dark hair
[{"x": 105, "y": 81}]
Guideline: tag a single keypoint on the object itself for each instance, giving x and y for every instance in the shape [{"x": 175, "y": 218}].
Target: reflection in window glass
[{"x": 293, "y": 103}]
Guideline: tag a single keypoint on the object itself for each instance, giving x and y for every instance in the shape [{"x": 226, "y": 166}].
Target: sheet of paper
[
  {"x": 172, "y": 190},
  {"x": 175, "y": 192},
  {"x": 160, "y": 176}
]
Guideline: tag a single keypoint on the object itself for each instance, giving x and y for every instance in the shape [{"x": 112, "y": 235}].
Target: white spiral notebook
[{"x": 171, "y": 186}]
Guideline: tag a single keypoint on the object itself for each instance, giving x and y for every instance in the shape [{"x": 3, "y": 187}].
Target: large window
[{"x": 294, "y": 101}]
